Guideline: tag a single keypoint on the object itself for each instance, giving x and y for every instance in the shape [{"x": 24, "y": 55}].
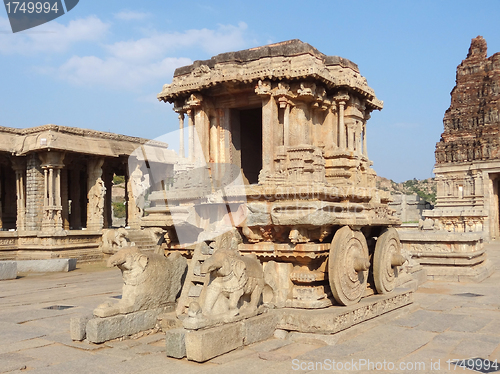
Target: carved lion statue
[
  {"x": 113, "y": 240},
  {"x": 150, "y": 281},
  {"x": 235, "y": 277}
]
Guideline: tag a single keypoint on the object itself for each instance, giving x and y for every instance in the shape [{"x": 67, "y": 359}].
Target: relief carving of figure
[{"x": 139, "y": 186}]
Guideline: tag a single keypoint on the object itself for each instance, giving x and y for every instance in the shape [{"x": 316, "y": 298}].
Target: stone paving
[{"x": 448, "y": 321}]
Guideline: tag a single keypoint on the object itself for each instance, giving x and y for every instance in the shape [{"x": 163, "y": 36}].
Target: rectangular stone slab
[
  {"x": 175, "y": 343},
  {"x": 8, "y": 270},
  {"x": 100, "y": 330},
  {"x": 42, "y": 266},
  {"x": 202, "y": 345},
  {"x": 335, "y": 319}
]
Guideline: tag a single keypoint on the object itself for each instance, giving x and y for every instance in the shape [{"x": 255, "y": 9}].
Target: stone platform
[
  {"x": 334, "y": 319},
  {"x": 205, "y": 344},
  {"x": 448, "y": 256}
]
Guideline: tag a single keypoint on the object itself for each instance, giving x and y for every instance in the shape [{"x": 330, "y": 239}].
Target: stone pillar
[
  {"x": 64, "y": 199},
  {"x": 478, "y": 184},
  {"x": 19, "y": 166},
  {"x": 359, "y": 132},
  {"x": 365, "y": 149},
  {"x": 350, "y": 136},
  {"x": 202, "y": 127},
  {"x": 95, "y": 196},
  {"x": 286, "y": 126},
  {"x": 108, "y": 184},
  {"x": 181, "y": 135},
  {"x": 34, "y": 193},
  {"x": 75, "y": 194},
  {"x": 269, "y": 122},
  {"x": 191, "y": 135},
  {"x": 214, "y": 140},
  {"x": 342, "y": 134},
  {"x": 52, "y": 163},
  {"x": 133, "y": 212}
]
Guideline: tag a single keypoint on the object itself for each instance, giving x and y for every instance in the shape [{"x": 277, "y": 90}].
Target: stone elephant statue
[{"x": 235, "y": 276}]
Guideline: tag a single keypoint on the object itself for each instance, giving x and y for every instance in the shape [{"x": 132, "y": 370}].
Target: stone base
[
  {"x": 335, "y": 319},
  {"x": 100, "y": 330},
  {"x": 78, "y": 327},
  {"x": 43, "y": 266},
  {"x": 202, "y": 345},
  {"x": 476, "y": 273},
  {"x": 448, "y": 256},
  {"x": 205, "y": 344},
  {"x": 8, "y": 270}
]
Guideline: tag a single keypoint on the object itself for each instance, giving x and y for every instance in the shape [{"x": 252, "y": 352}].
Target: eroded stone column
[
  {"x": 286, "y": 126},
  {"x": 96, "y": 193},
  {"x": 342, "y": 135},
  {"x": 191, "y": 135},
  {"x": 64, "y": 199},
  {"x": 108, "y": 184},
  {"x": 269, "y": 124},
  {"x": 52, "y": 163},
  {"x": 181, "y": 135},
  {"x": 19, "y": 166},
  {"x": 34, "y": 193},
  {"x": 214, "y": 140},
  {"x": 351, "y": 133}
]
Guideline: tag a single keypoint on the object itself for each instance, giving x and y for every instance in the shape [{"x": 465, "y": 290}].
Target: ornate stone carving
[
  {"x": 113, "y": 240},
  {"x": 150, "y": 281},
  {"x": 235, "y": 276}
]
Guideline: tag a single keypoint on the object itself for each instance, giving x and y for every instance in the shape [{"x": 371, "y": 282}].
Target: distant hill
[{"x": 425, "y": 188}]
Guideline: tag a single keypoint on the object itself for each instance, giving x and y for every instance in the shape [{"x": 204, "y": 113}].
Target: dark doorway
[
  {"x": 251, "y": 143},
  {"x": 8, "y": 198}
]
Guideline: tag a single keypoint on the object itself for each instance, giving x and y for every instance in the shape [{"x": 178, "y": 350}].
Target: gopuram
[
  {"x": 56, "y": 189},
  {"x": 273, "y": 201},
  {"x": 467, "y": 169}
]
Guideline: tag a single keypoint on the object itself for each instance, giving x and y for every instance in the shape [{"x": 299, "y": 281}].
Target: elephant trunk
[{"x": 207, "y": 266}]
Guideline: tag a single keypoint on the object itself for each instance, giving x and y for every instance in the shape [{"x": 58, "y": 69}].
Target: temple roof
[
  {"x": 289, "y": 60},
  {"x": 70, "y": 139}
]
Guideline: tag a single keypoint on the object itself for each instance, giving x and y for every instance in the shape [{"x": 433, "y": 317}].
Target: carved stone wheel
[
  {"x": 386, "y": 259},
  {"x": 348, "y": 266}
]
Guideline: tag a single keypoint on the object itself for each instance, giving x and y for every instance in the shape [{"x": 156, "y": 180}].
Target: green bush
[
  {"x": 118, "y": 179},
  {"x": 119, "y": 210}
]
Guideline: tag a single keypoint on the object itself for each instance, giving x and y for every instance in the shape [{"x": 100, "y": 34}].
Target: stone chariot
[{"x": 290, "y": 123}]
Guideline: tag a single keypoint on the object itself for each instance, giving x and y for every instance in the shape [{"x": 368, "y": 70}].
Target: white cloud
[
  {"x": 50, "y": 37},
  {"x": 117, "y": 73},
  {"x": 128, "y": 15},
  {"x": 131, "y": 64},
  {"x": 225, "y": 38}
]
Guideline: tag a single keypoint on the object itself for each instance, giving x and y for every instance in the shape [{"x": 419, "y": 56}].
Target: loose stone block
[
  {"x": 43, "y": 266},
  {"x": 8, "y": 270},
  {"x": 168, "y": 321},
  {"x": 260, "y": 327},
  {"x": 202, "y": 345},
  {"x": 78, "y": 326},
  {"x": 100, "y": 330},
  {"x": 175, "y": 342}
]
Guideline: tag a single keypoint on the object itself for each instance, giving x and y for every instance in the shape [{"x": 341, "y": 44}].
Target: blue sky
[{"x": 101, "y": 65}]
